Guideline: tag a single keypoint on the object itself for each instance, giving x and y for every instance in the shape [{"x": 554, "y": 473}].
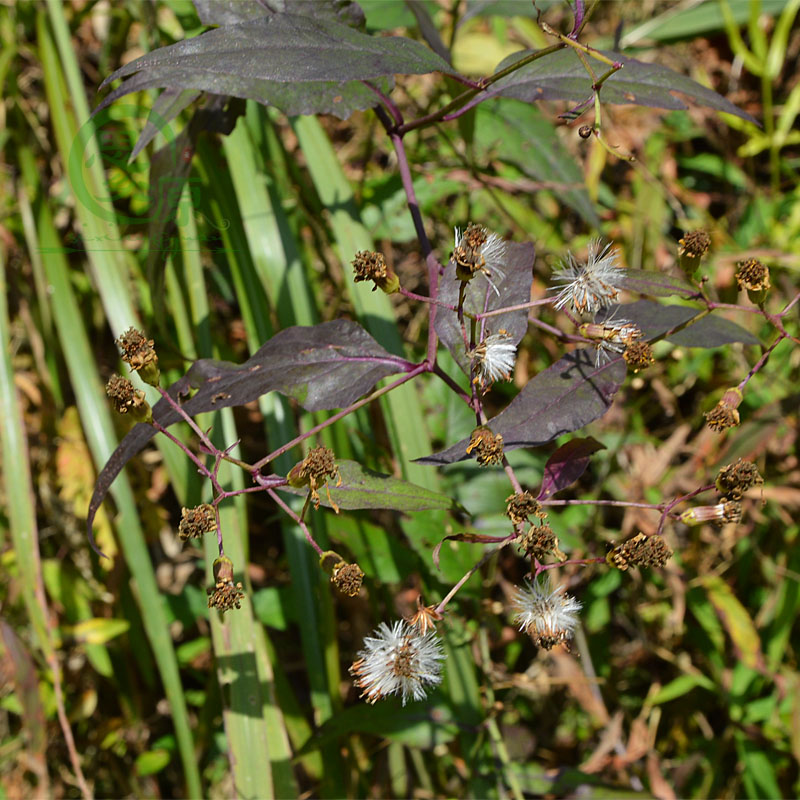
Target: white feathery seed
[
  {"x": 589, "y": 287},
  {"x": 493, "y": 359},
  {"x": 398, "y": 660},
  {"x": 617, "y": 335},
  {"x": 492, "y": 254},
  {"x": 549, "y": 617}
]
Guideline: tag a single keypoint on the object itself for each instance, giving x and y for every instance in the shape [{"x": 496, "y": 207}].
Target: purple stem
[
  {"x": 423, "y": 299},
  {"x": 303, "y": 526},
  {"x": 580, "y": 12},
  {"x": 761, "y": 361},
  {"x": 192, "y": 424},
  {"x": 417, "y": 370},
  {"x": 532, "y": 304},
  {"x": 618, "y": 503},
  {"x": 202, "y": 468},
  {"x": 390, "y": 105},
  {"x": 432, "y": 262}
]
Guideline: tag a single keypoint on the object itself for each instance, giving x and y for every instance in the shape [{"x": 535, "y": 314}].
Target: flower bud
[{"x": 729, "y": 511}]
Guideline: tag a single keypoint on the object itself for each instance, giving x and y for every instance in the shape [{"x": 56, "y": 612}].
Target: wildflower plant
[{"x": 479, "y": 305}]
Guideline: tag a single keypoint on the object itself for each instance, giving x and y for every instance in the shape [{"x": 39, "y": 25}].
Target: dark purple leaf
[
  {"x": 656, "y": 284},
  {"x": 167, "y": 106},
  {"x": 568, "y": 395},
  {"x": 655, "y": 319},
  {"x": 466, "y": 537},
  {"x": 520, "y": 134},
  {"x": 229, "y": 12},
  {"x": 363, "y": 488},
  {"x": 562, "y": 76},
  {"x": 513, "y": 288},
  {"x": 300, "y": 64},
  {"x": 566, "y": 465},
  {"x": 322, "y": 367}
]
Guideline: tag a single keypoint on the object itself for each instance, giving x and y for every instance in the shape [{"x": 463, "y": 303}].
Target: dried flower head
[
  {"x": 591, "y": 286},
  {"x": 314, "y": 471},
  {"x": 371, "y": 266},
  {"x": 640, "y": 551},
  {"x": 140, "y": 355},
  {"x": 540, "y": 541},
  {"x": 610, "y": 337},
  {"x": 724, "y": 415},
  {"x": 735, "y": 479},
  {"x": 638, "y": 355},
  {"x": 127, "y": 400},
  {"x": 548, "y": 616},
  {"x": 488, "y": 447},
  {"x": 347, "y": 578},
  {"x": 493, "y": 359},
  {"x": 694, "y": 243},
  {"x": 424, "y": 619},
  {"x": 753, "y": 276},
  {"x": 720, "y": 514},
  {"x": 197, "y": 521},
  {"x": 522, "y": 506},
  {"x": 691, "y": 249},
  {"x": 478, "y": 250},
  {"x": 225, "y": 594},
  {"x": 398, "y": 660}
]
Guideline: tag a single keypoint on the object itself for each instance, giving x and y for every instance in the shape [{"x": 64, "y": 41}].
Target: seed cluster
[
  {"x": 640, "y": 551},
  {"x": 488, "y": 447}
]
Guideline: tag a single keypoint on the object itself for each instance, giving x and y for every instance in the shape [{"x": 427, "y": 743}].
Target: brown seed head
[
  {"x": 735, "y": 479},
  {"x": 752, "y": 275},
  {"x": 467, "y": 255},
  {"x": 371, "y": 266},
  {"x": 127, "y": 400},
  {"x": 197, "y": 521},
  {"x": 347, "y": 578},
  {"x": 694, "y": 244},
  {"x": 540, "y": 541},
  {"x": 314, "y": 471},
  {"x": 640, "y": 551},
  {"x": 725, "y": 414},
  {"x": 638, "y": 355},
  {"x": 488, "y": 447},
  {"x": 225, "y": 594},
  {"x": 520, "y": 507},
  {"x": 140, "y": 355}
]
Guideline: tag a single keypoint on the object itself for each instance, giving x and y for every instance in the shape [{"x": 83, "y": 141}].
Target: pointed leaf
[
  {"x": 166, "y": 107},
  {"x": 655, "y": 319},
  {"x": 363, "y": 488},
  {"x": 229, "y": 12},
  {"x": 512, "y": 289},
  {"x": 568, "y": 395},
  {"x": 299, "y": 63},
  {"x": 567, "y": 464},
  {"x": 322, "y": 367},
  {"x": 562, "y": 76}
]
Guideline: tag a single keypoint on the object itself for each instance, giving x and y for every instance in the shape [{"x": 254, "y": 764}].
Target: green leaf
[
  {"x": 736, "y": 620},
  {"x": 152, "y": 761},
  {"x": 758, "y": 773},
  {"x": 521, "y": 135},
  {"x": 363, "y": 488},
  {"x": 680, "y": 686},
  {"x": 99, "y": 630}
]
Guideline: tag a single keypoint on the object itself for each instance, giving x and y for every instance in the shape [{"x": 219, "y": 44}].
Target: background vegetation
[{"x": 683, "y": 681}]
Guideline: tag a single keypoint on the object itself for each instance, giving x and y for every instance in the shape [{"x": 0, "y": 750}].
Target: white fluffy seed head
[
  {"x": 490, "y": 255},
  {"x": 398, "y": 660},
  {"x": 493, "y": 359},
  {"x": 589, "y": 287},
  {"x": 548, "y": 616}
]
